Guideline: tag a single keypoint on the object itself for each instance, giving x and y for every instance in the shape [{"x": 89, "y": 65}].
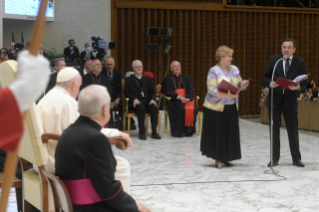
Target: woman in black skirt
[{"x": 220, "y": 136}]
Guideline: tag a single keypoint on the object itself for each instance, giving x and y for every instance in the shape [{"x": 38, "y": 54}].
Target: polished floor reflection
[{"x": 170, "y": 175}]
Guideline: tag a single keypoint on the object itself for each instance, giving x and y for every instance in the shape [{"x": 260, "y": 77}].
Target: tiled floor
[{"x": 170, "y": 175}]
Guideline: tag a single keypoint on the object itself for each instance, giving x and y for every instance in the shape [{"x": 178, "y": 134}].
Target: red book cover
[
  {"x": 284, "y": 83},
  {"x": 224, "y": 86}
]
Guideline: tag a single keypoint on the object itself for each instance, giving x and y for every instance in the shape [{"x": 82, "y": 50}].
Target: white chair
[{"x": 35, "y": 186}]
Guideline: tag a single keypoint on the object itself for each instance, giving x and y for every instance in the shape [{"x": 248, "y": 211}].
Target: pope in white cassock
[{"x": 59, "y": 109}]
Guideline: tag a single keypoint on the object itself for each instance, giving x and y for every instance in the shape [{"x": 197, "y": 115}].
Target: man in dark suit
[
  {"x": 71, "y": 52},
  {"x": 284, "y": 100},
  {"x": 41, "y": 52},
  {"x": 59, "y": 65},
  {"x": 83, "y": 148},
  {"x": 315, "y": 95},
  {"x": 140, "y": 91},
  {"x": 86, "y": 55},
  {"x": 95, "y": 77}
]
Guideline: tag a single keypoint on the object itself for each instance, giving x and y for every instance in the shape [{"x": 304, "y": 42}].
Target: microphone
[{"x": 272, "y": 120}]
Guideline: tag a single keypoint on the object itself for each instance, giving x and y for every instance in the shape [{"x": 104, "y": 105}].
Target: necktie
[
  {"x": 110, "y": 76},
  {"x": 287, "y": 66}
]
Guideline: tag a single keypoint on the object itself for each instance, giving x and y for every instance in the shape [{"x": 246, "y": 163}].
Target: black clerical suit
[
  {"x": 83, "y": 152},
  {"x": 67, "y": 53},
  {"x": 116, "y": 80},
  {"x": 92, "y": 79},
  {"x": 175, "y": 108},
  {"x": 142, "y": 89},
  {"x": 285, "y": 101}
]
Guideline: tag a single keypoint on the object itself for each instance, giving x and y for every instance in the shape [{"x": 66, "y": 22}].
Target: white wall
[{"x": 76, "y": 19}]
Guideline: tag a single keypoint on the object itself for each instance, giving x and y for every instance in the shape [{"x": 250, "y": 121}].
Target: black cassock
[
  {"x": 175, "y": 108},
  {"x": 92, "y": 79},
  {"x": 83, "y": 152}
]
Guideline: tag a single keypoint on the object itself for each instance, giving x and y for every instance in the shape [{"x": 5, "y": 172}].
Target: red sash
[
  {"x": 189, "y": 108},
  {"x": 82, "y": 192}
]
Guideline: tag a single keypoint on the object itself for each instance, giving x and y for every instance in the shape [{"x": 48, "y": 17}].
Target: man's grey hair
[
  {"x": 58, "y": 60},
  {"x": 87, "y": 62},
  {"x": 134, "y": 62},
  {"x": 69, "y": 83},
  {"x": 92, "y": 100}
]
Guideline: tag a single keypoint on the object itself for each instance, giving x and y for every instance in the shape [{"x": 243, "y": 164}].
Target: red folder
[
  {"x": 224, "y": 86},
  {"x": 284, "y": 83}
]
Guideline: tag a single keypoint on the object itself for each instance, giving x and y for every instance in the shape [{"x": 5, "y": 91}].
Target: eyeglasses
[
  {"x": 177, "y": 66},
  {"x": 138, "y": 67},
  {"x": 287, "y": 47}
]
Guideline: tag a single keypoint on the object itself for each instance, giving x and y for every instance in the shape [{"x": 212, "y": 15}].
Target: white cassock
[{"x": 57, "y": 111}]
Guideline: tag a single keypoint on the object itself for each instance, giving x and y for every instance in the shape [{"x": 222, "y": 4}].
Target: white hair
[
  {"x": 134, "y": 62},
  {"x": 92, "y": 99},
  {"x": 70, "y": 82}
]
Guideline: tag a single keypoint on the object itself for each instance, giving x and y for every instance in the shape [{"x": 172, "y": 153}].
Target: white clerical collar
[{"x": 139, "y": 77}]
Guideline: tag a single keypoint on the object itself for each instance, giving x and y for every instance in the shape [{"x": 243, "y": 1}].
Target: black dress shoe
[
  {"x": 298, "y": 163},
  {"x": 275, "y": 163},
  {"x": 227, "y": 164},
  {"x": 156, "y": 136},
  {"x": 142, "y": 136}
]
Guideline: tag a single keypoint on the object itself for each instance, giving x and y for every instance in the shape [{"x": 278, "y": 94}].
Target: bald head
[
  {"x": 176, "y": 68},
  {"x": 94, "y": 102}
]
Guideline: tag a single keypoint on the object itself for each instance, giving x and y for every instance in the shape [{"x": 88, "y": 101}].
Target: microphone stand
[{"x": 271, "y": 170}]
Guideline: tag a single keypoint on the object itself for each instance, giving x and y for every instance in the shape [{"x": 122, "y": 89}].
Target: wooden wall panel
[{"x": 254, "y": 36}]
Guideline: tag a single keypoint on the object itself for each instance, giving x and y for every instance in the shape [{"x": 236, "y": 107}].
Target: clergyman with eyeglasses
[{"x": 284, "y": 100}]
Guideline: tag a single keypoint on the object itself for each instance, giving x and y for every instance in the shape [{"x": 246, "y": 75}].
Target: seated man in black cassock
[
  {"x": 84, "y": 160},
  {"x": 181, "y": 108},
  {"x": 95, "y": 77},
  {"x": 139, "y": 89}
]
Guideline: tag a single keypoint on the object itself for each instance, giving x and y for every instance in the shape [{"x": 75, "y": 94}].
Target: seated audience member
[
  {"x": 87, "y": 68},
  {"x": 11, "y": 50},
  {"x": 115, "y": 77},
  {"x": 181, "y": 108},
  {"x": 59, "y": 109},
  {"x": 95, "y": 77},
  {"x": 59, "y": 65},
  {"x": 300, "y": 96},
  {"x": 86, "y": 54},
  {"x": 140, "y": 91},
  {"x": 71, "y": 52},
  {"x": 82, "y": 148},
  {"x": 4, "y": 55},
  {"x": 17, "y": 48},
  {"x": 27, "y": 45},
  {"x": 307, "y": 95},
  {"x": 41, "y": 52},
  {"x": 315, "y": 95}
]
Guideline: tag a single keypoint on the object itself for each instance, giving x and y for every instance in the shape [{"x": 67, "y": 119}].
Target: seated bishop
[
  {"x": 139, "y": 89},
  {"x": 181, "y": 108},
  {"x": 59, "y": 109},
  {"x": 85, "y": 161}
]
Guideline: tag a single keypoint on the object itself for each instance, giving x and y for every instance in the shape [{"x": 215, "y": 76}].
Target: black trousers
[
  {"x": 140, "y": 110},
  {"x": 291, "y": 120}
]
